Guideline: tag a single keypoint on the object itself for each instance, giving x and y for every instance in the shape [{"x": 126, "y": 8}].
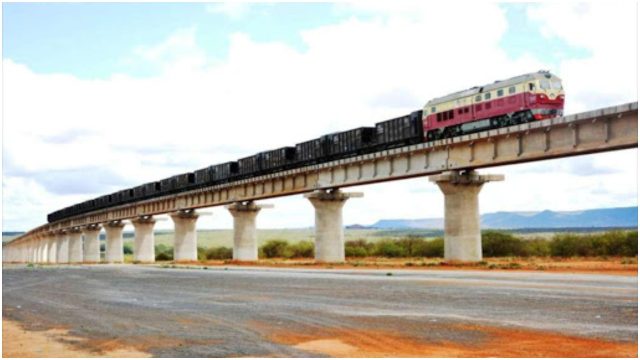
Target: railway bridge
[{"x": 449, "y": 163}]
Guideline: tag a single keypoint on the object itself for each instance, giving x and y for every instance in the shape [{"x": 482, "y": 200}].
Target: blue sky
[
  {"x": 95, "y": 40},
  {"x": 100, "y": 97}
]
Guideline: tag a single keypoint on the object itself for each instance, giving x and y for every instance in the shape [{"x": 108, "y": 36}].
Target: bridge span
[{"x": 450, "y": 163}]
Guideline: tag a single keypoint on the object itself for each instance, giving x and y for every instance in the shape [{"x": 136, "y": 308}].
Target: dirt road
[{"x": 107, "y": 310}]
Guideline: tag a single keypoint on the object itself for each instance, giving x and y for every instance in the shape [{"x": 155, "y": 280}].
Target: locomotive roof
[{"x": 495, "y": 85}]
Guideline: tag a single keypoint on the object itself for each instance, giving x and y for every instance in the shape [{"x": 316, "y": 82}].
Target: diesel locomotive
[{"x": 524, "y": 98}]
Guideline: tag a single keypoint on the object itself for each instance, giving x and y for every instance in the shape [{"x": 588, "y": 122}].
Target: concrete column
[
  {"x": 44, "y": 251},
  {"x": 91, "y": 249},
  {"x": 29, "y": 248},
  {"x": 52, "y": 247},
  {"x": 462, "y": 238},
  {"x": 62, "y": 243},
  {"x": 144, "y": 242},
  {"x": 75, "y": 245},
  {"x": 329, "y": 240},
  {"x": 185, "y": 243},
  {"x": 114, "y": 247},
  {"x": 245, "y": 242},
  {"x": 37, "y": 249}
]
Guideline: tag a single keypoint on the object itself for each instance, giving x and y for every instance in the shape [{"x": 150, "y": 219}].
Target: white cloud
[
  {"x": 200, "y": 111},
  {"x": 608, "y": 30},
  {"x": 233, "y": 10}
]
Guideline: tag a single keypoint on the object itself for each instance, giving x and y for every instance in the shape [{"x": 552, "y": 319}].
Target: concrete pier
[
  {"x": 91, "y": 247},
  {"x": 114, "y": 250},
  {"x": 245, "y": 241},
  {"x": 52, "y": 248},
  {"x": 462, "y": 238},
  {"x": 44, "y": 242},
  {"x": 62, "y": 243},
  {"x": 144, "y": 241},
  {"x": 75, "y": 245},
  {"x": 329, "y": 229},
  {"x": 185, "y": 242}
]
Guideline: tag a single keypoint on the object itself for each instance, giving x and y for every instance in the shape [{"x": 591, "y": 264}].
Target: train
[{"x": 524, "y": 98}]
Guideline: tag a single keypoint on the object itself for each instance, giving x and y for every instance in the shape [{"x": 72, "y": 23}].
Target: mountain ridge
[{"x": 590, "y": 218}]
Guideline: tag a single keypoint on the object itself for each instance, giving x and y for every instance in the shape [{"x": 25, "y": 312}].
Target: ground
[
  {"x": 127, "y": 310},
  {"x": 613, "y": 265}
]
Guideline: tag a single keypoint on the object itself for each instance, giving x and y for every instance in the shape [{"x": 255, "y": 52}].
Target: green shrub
[
  {"x": 202, "y": 254},
  {"x": 358, "y": 248},
  {"x": 498, "y": 243},
  {"x": 389, "y": 248},
  {"x": 430, "y": 248},
  {"x": 537, "y": 247},
  {"x": 164, "y": 256},
  {"x": 127, "y": 249},
  {"x": 276, "y": 249},
  {"x": 219, "y": 253},
  {"x": 350, "y": 251},
  {"x": 612, "y": 243},
  {"x": 163, "y": 252},
  {"x": 302, "y": 249},
  {"x": 620, "y": 243},
  {"x": 411, "y": 245},
  {"x": 567, "y": 245}
]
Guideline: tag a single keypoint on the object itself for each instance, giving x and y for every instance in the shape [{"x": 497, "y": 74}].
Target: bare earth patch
[
  {"x": 585, "y": 265},
  {"x": 54, "y": 343},
  {"x": 500, "y": 342}
]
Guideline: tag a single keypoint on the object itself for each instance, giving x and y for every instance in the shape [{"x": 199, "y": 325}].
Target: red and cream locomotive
[{"x": 520, "y": 99}]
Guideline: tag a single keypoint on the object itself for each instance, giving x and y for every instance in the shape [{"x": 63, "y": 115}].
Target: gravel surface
[{"x": 233, "y": 311}]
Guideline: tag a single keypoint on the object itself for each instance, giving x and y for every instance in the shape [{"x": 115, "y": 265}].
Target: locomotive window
[
  {"x": 500, "y": 92},
  {"x": 532, "y": 86},
  {"x": 556, "y": 85},
  {"x": 544, "y": 84},
  {"x": 487, "y": 96},
  {"x": 512, "y": 90},
  {"x": 433, "y": 109},
  {"x": 479, "y": 98}
]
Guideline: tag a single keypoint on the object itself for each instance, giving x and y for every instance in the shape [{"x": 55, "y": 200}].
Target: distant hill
[{"x": 594, "y": 218}]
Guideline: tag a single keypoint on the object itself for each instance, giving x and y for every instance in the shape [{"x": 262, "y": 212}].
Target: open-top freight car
[{"x": 277, "y": 159}]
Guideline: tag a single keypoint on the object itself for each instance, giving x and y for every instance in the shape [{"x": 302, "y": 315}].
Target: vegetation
[
  {"x": 164, "y": 252},
  {"x": 219, "y": 253},
  {"x": 494, "y": 244}
]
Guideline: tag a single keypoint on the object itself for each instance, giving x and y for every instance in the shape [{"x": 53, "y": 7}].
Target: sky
[{"x": 98, "y": 97}]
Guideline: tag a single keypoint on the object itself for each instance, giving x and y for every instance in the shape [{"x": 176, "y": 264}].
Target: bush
[
  {"x": 163, "y": 252},
  {"x": 127, "y": 249},
  {"x": 431, "y": 248},
  {"x": 612, "y": 243},
  {"x": 411, "y": 245},
  {"x": 350, "y": 251},
  {"x": 164, "y": 256},
  {"x": 302, "y": 249},
  {"x": 498, "y": 243},
  {"x": 537, "y": 247},
  {"x": 276, "y": 249},
  {"x": 202, "y": 254},
  {"x": 389, "y": 248},
  {"x": 567, "y": 245},
  {"x": 358, "y": 248},
  {"x": 219, "y": 253}
]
